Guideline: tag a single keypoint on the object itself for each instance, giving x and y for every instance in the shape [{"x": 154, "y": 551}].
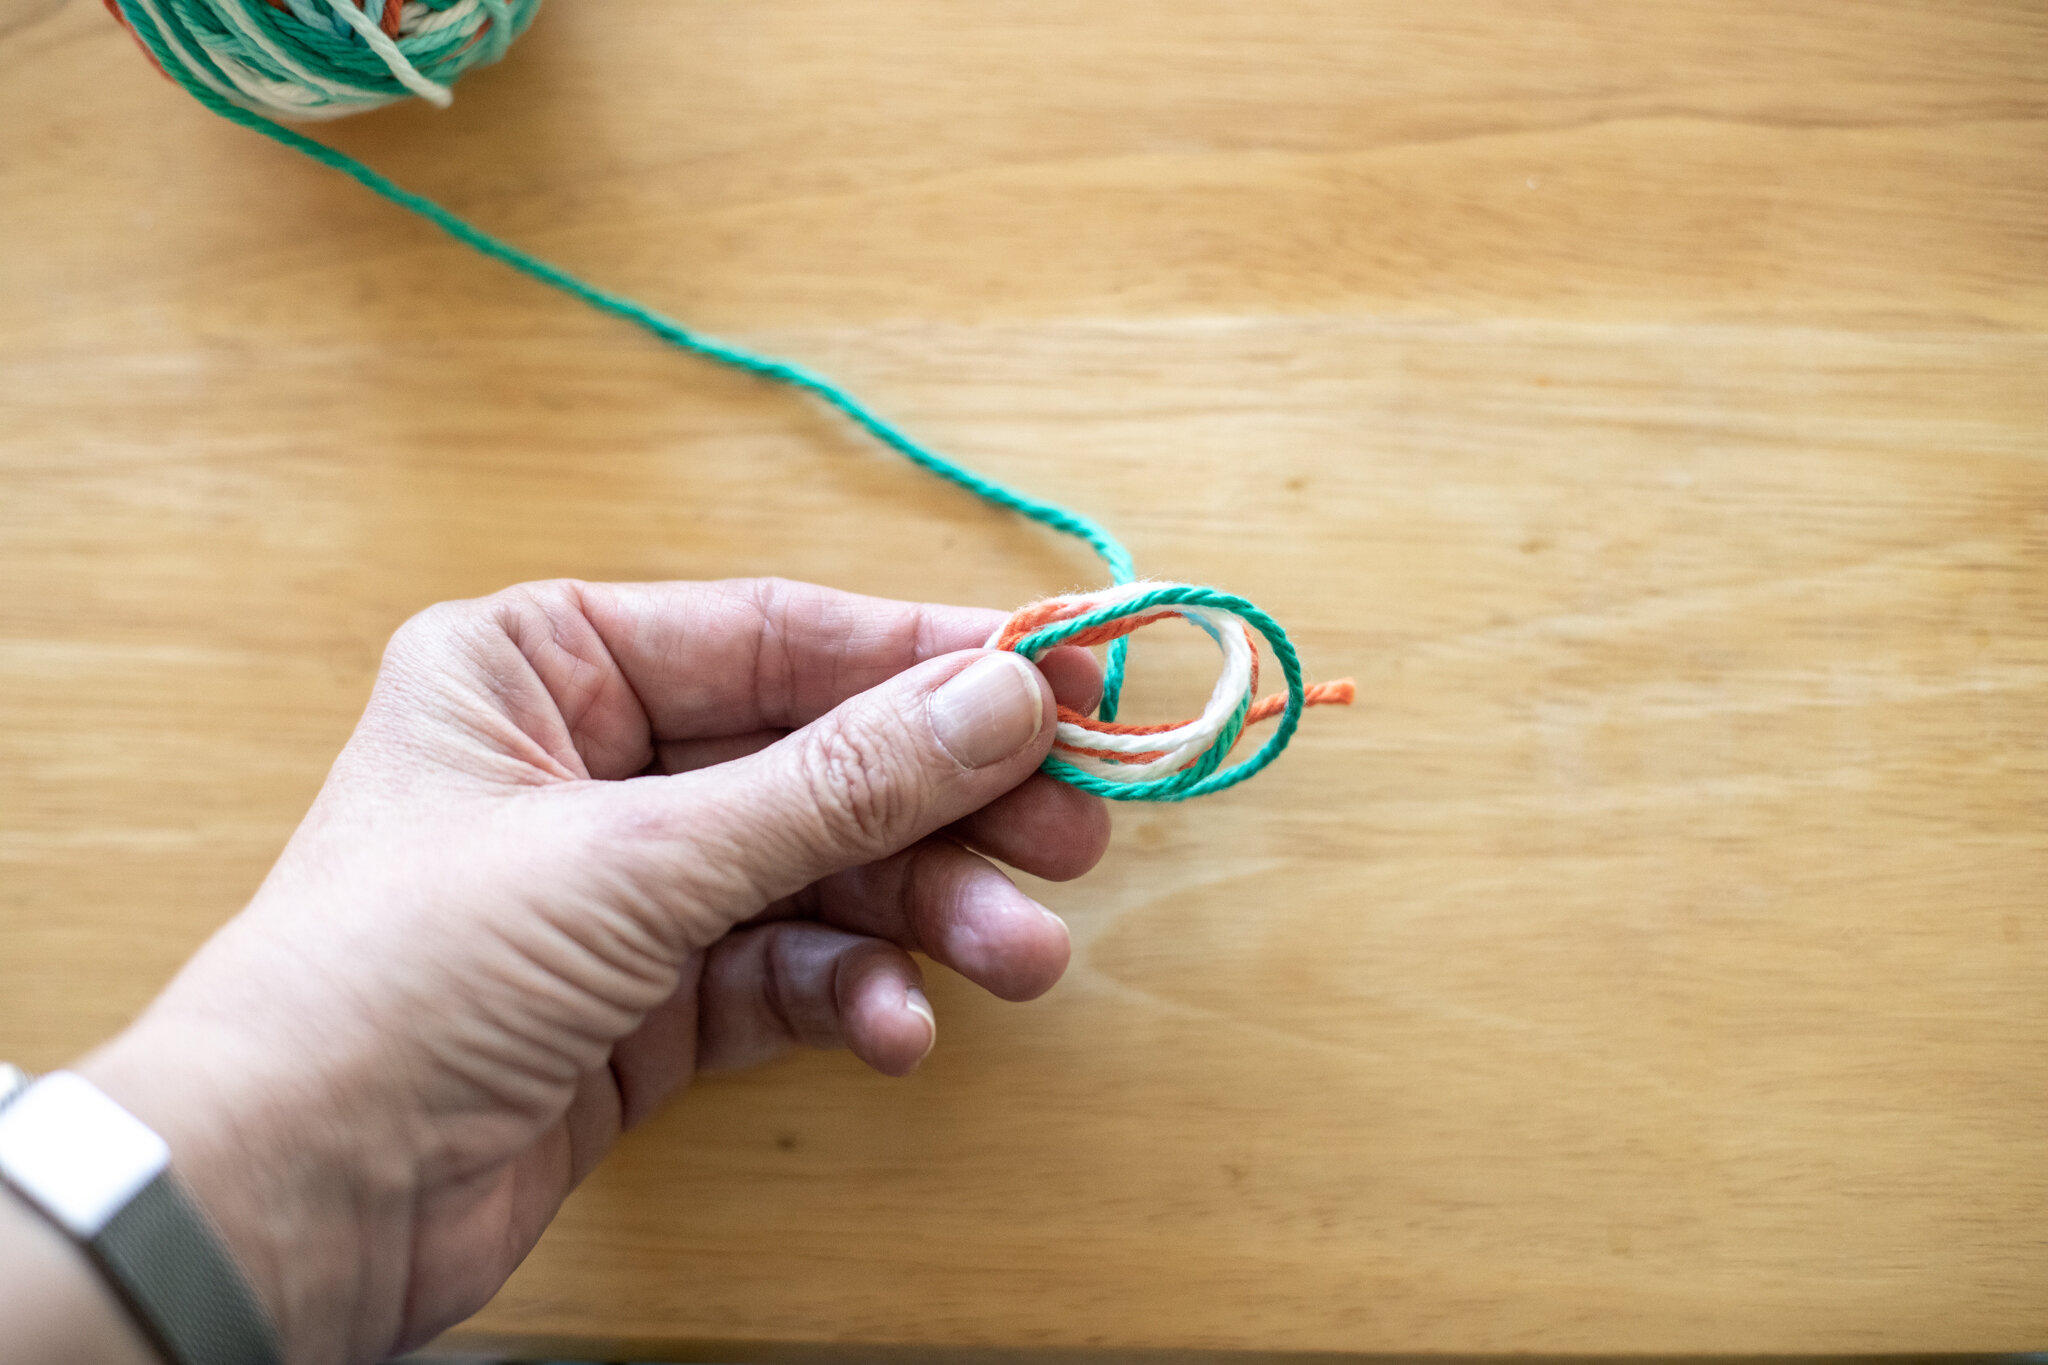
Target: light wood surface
[{"x": 1647, "y": 403}]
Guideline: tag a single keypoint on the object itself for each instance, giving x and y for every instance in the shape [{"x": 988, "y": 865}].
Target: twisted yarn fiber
[
  {"x": 249, "y": 60},
  {"x": 320, "y": 59},
  {"x": 1176, "y": 761}
]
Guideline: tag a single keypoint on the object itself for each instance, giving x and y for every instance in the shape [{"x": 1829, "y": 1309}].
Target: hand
[{"x": 586, "y": 842}]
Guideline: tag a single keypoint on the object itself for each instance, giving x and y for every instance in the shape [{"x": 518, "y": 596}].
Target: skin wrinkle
[
  {"x": 626, "y": 1087},
  {"x": 636, "y": 838},
  {"x": 667, "y": 1048},
  {"x": 505, "y": 751},
  {"x": 718, "y": 873},
  {"x": 771, "y": 604},
  {"x": 944, "y": 882},
  {"x": 500, "y": 987},
  {"x": 778, "y": 986},
  {"x": 513, "y": 961},
  {"x": 806, "y": 987},
  {"x": 631, "y": 945},
  {"x": 569, "y": 968},
  {"x": 839, "y": 990},
  {"x": 745, "y": 624},
  {"x": 573, "y": 684},
  {"x": 476, "y": 1057},
  {"x": 847, "y": 771},
  {"x": 677, "y": 918},
  {"x": 558, "y": 1029},
  {"x": 602, "y": 849},
  {"x": 530, "y": 696},
  {"x": 774, "y": 987},
  {"x": 845, "y": 972},
  {"x": 592, "y": 606},
  {"x": 852, "y": 899},
  {"x": 573, "y": 613},
  {"x": 696, "y": 710},
  {"x": 941, "y": 881}
]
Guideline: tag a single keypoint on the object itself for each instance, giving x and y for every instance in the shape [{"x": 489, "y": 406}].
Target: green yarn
[
  {"x": 1200, "y": 778},
  {"x": 318, "y": 58},
  {"x": 206, "y": 44}
]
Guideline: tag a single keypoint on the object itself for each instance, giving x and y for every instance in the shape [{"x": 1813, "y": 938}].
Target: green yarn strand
[
  {"x": 1112, "y": 552},
  {"x": 1201, "y": 778},
  {"x": 323, "y": 57},
  {"x": 328, "y": 47}
]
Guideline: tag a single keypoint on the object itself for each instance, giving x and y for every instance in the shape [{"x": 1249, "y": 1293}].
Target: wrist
[
  {"x": 314, "y": 1221},
  {"x": 55, "y": 1302}
]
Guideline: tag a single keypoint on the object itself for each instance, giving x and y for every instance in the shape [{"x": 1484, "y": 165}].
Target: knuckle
[
  {"x": 535, "y": 604},
  {"x": 432, "y": 623},
  {"x": 769, "y": 593},
  {"x": 507, "y": 612},
  {"x": 859, "y": 786},
  {"x": 425, "y": 638}
]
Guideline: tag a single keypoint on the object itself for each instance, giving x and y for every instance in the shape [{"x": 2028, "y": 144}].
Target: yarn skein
[{"x": 253, "y": 61}]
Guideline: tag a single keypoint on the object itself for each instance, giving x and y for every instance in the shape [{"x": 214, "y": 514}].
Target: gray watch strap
[
  {"x": 156, "y": 1247},
  {"x": 164, "y": 1259}
]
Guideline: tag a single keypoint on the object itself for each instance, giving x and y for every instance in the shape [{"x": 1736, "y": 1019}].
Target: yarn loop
[
  {"x": 1175, "y": 761},
  {"x": 253, "y": 61}
]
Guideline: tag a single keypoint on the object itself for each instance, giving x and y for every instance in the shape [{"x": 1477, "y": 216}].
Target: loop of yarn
[
  {"x": 252, "y": 61},
  {"x": 1175, "y": 761}
]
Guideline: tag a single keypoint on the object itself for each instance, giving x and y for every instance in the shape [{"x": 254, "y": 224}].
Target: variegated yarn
[
  {"x": 254, "y": 61},
  {"x": 320, "y": 59}
]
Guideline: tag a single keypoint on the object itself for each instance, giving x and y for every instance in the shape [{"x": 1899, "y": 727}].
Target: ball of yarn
[
  {"x": 1181, "y": 759},
  {"x": 320, "y": 59}
]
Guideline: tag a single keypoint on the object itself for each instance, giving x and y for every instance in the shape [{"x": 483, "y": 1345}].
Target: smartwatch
[{"x": 104, "y": 1177}]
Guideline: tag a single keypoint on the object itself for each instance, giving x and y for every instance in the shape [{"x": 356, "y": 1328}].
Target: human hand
[{"x": 587, "y": 841}]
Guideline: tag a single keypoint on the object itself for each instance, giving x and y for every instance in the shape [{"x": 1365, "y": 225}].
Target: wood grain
[{"x": 1645, "y": 403}]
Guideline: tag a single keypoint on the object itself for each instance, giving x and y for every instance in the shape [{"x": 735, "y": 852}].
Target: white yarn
[
  {"x": 401, "y": 70},
  {"x": 246, "y": 66},
  {"x": 1183, "y": 744},
  {"x": 417, "y": 18},
  {"x": 312, "y": 87}
]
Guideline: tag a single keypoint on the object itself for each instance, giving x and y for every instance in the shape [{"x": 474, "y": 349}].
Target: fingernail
[
  {"x": 914, "y": 1001},
  {"x": 988, "y": 710}
]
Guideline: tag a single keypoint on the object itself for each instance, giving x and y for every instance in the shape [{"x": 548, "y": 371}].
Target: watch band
[{"x": 104, "y": 1177}]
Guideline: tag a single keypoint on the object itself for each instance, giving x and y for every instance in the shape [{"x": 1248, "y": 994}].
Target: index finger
[{"x": 744, "y": 655}]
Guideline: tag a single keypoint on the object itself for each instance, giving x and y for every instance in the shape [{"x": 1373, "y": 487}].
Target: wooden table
[{"x": 1647, "y": 403}]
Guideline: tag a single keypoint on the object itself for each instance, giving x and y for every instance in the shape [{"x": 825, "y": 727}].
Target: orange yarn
[{"x": 1038, "y": 615}]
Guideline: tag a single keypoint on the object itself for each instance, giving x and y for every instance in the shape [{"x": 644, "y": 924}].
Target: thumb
[{"x": 871, "y": 777}]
